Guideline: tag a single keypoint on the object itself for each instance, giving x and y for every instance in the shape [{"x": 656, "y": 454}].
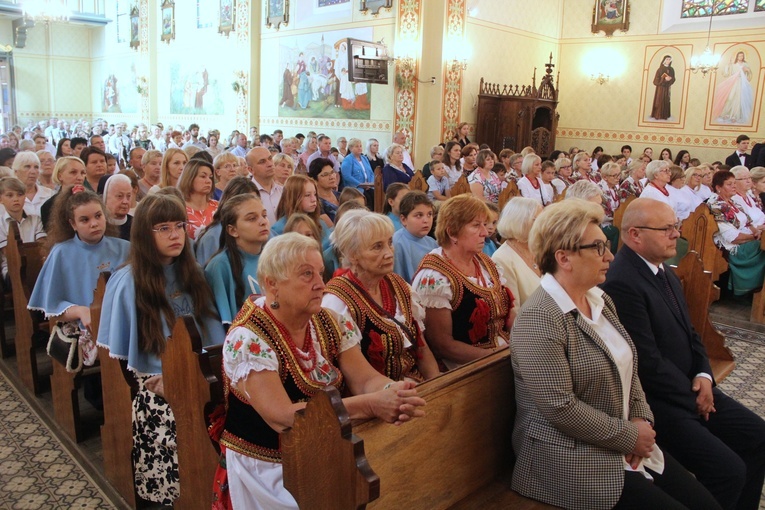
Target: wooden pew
[
  {"x": 193, "y": 387},
  {"x": 6, "y": 310},
  {"x": 418, "y": 182},
  {"x": 457, "y": 456},
  {"x": 117, "y": 430},
  {"x": 700, "y": 291},
  {"x": 510, "y": 192},
  {"x": 619, "y": 215},
  {"x": 24, "y": 263},
  {"x": 379, "y": 191},
  {"x": 698, "y": 229},
  {"x": 65, "y": 395},
  {"x": 461, "y": 186},
  {"x": 758, "y": 302}
]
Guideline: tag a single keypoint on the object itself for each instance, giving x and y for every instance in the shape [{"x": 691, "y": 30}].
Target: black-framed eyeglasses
[
  {"x": 667, "y": 230},
  {"x": 600, "y": 246}
]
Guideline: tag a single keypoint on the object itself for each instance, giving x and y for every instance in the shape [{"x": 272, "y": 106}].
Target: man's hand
[{"x": 705, "y": 402}]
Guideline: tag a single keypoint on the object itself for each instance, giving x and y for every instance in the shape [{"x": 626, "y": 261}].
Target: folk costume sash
[
  {"x": 478, "y": 313},
  {"x": 381, "y": 340}
]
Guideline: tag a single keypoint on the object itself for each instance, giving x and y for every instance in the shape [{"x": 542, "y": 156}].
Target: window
[
  {"x": 759, "y": 5},
  {"x": 703, "y": 8}
]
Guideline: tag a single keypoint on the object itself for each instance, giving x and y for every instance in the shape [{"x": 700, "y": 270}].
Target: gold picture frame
[
  {"x": 167, "y": 11},
  {"x": 610, "y": 15},
  {"x": 373, "y": 7},
  {"x": 135, "y": 28},
  {"x": 227, "y": 16},
  {"x": 277, "y": 13}
]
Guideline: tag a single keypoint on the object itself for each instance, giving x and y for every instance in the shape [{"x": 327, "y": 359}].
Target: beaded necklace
[
  {"x": 308, "y": 356},
  {"x": 664, "y": 191},
  {"x": 388, "y": 301},
  {"x": 478, "y": 273}
]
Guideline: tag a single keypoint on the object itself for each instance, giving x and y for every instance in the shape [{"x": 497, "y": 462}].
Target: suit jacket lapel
[
  {"x": 589, "y": 332},
  {"x": 654, "y": 280}
]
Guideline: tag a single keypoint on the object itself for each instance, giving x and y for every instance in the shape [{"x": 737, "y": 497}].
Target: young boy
[
  {"x": 12, "y": 195},
  {"x": 411, "y": 243},
  {"x": 438, "y": 182},
  {"x": 490, "y": 244}
]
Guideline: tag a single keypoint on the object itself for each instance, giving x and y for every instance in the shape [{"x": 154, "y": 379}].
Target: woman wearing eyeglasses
[
  {"x": 658, "y": 188},
  {"x": 583, "y": 432},
  {"x": 160, "y": 282},
  {"x": 226, "y": 166},
  {"x": 736, "y": 234},
  {"x": 564, "y": 179}
]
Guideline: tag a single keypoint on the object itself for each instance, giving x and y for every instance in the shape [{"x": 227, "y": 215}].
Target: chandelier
[
  {"x": 45, "y": 11},
  {"x": 707, "y": 61}
]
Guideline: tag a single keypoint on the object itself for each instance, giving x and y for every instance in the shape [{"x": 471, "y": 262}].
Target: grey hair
[
  {"x": 584, "y": 190},
  {"x": 355, "y": 230},
  {"x": 736, "y": 170},
  {"x": 528, "y": 163},
  {"x": 282, "y": 253},
  {"x": 24, "y": 158},
  {"x": 654, "y": 167},
  {"x": 517, "y": 218},
  {"x": 390, "y": 150}
]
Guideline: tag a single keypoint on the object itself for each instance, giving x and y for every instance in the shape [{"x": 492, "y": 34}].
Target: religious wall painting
[
  {"x": 665, "y": 84},
  {"x": 135, "y": 27},
  {"x": 734, "y": 100},
  {"x": 322, "y": 13},
  {"x": 226, "y": 16},
  {"x": 610, "y": 15},
  {"x": 196, "y": 88},
  {"x": 314, "y": 80},
  {"x": 118, "y": 89},
  {"x": 167, "y": 16},
  {"x": 277, "y": 13}
]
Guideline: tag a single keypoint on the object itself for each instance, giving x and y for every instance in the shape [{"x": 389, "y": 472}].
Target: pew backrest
[
  {"x": 510, "y": 192},
  {"x": 379, "y": 191},
  {"x": 418, "y": 182},
  {"x": 461, "y": 186},
  {"x": 460, "y": 446},
  {"x": 619, "y": 215},
  {"x": 699, "y": 229},
  {"x": 192, "y": 379}
]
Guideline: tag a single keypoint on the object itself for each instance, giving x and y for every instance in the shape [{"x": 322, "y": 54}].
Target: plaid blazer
[{"x": 570, "y": 434}]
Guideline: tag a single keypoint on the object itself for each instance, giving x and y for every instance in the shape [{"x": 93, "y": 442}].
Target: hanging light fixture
[
  {"x": 45, "y": 11},
  {"x": 707, "y": 61}
]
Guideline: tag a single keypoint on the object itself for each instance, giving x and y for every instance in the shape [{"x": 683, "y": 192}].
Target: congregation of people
[{"x": 272, "y": 245}]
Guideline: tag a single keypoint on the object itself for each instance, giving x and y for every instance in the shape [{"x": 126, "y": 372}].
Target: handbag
[{"x": 64, "y": 346}]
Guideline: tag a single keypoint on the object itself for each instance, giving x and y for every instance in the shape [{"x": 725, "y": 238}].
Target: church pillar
[
  {"x": 408, "y": 43},
  {"x": 453, "y": 58}
]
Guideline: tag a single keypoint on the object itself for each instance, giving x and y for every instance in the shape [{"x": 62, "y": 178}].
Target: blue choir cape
[
  {"x": 277, "y": 229},
  {"x": 221, "y": 279},
  {"x": 118, "y": 330},
  {"x": 331, "y": 262},
  {"x": 408, "y": 251},
  {"x": 489, "y": 246},
  {"x": 208, "y": 244},
  {"x": 70, "y": 273},
  {"x": 396, "y": 221}
]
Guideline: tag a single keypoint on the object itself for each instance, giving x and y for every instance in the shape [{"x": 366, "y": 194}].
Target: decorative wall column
[
  {"x": 242, "y": 77},
  {"x": 454, "y": 36},
  {"x": 407, "y": 36}
]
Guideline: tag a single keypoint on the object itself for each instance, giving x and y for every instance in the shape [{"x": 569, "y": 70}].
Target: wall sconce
[
  {"x": 457, "y": 65},
  {"x": 600, "y": 78},
  {"x": 406, "y": 63}
]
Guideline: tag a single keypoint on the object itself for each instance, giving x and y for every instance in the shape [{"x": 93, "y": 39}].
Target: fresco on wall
[
  {"x": 736, "y": 81},
  {"x": 195, "y": 88},
  {"x": 118, "y": 90},
  {"x": 664, "y": 82},
  {"x": 314, "y": 81}
]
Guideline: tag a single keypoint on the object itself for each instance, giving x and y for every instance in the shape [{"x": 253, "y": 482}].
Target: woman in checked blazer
[{"x": 583, "y": 433}]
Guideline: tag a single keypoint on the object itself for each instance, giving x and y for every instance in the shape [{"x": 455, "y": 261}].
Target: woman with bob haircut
[
  {"x": 379, "y": 301},
  {"x": 468, "y": 308},
  {"x": 583, "y": 432},
  {"x": 513, "y": 257},
  {"x": 172, "y": 167}
]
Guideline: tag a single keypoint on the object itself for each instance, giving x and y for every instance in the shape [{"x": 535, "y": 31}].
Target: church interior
[{"x": 232, "y": 65}]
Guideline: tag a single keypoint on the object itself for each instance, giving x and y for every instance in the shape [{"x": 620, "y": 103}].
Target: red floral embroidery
[
  {"x": 376, "y": 352},
  {"x": 237, "y": 345},
  {"x": 349, "y": 326},
  {"x": 432, "y": 281},
  {"x": 255, "y": 348},
  {"x": 479, "y": 319}
]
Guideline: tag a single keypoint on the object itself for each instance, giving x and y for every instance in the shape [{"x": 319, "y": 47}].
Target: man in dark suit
[
  {"x": 758, "y": 155},
  {"x": 713, "y": 436},
  {"x": 740, "y": 157}
]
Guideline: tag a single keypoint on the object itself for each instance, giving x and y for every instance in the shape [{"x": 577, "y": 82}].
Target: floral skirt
[{"x": 155, "y": 454}]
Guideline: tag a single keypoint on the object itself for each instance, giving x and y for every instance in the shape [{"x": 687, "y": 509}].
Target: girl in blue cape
[
  {"x": 300, "y": 196},
  {"x": 81, "y": 250},
  {"x": 160, "y": 282},
  {"x": 232, "y": 273}
]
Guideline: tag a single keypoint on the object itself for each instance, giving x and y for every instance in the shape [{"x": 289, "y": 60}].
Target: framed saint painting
[
  {"x": 735, "y": 89},
  {"x": 227, "y": 16},
  {"x": 664, "y": 97},
  {"x": 135, "y": 24},
  {"x": 610, "y": 15},
  {"x": 277, "y": 13},
  {"x": 168, "y": 21}
]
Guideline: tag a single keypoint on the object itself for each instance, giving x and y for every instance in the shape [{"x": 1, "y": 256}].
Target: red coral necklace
[{"x": 308, "y": 356}]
